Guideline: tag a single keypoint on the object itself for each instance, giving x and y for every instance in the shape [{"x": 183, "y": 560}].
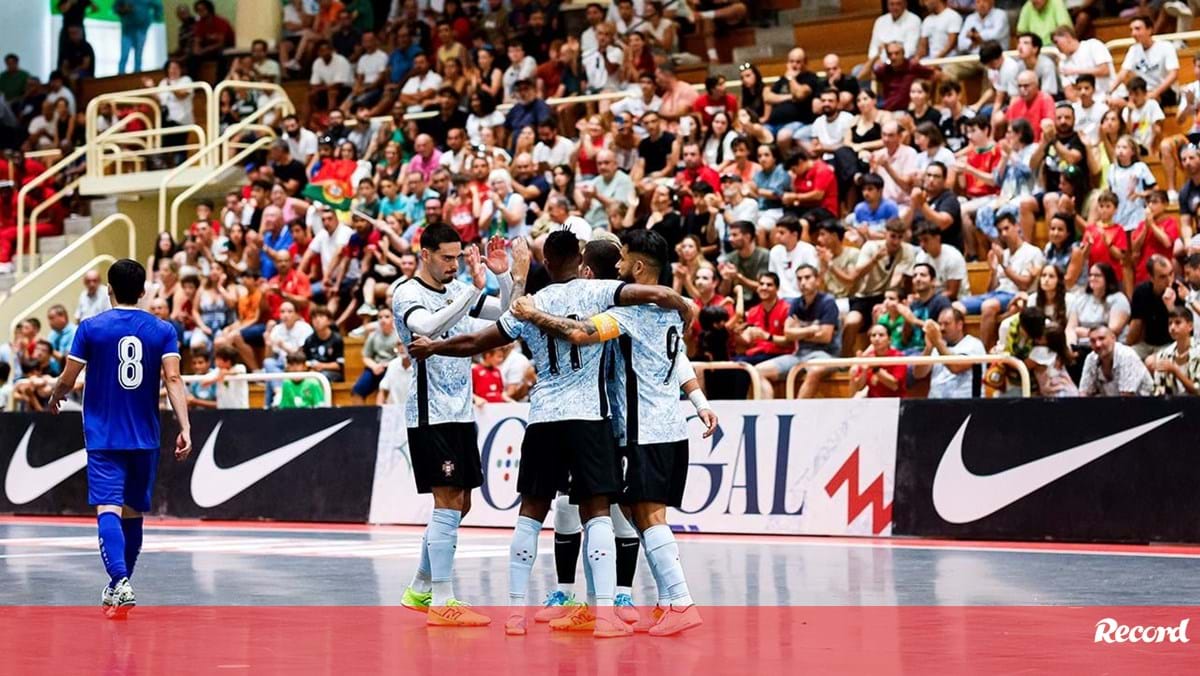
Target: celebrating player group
[{"x": 610, "y": 364}]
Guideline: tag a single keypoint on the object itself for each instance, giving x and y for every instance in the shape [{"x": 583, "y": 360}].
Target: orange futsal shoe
[
  {"x": 677, "y": 620},
  {"x": 455, "y": 614}
]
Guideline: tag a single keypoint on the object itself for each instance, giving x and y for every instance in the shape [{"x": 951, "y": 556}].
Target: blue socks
[
  {"x": 112, "y": 546},
  {"x": 664, "y": 596},
  {"x": 132, "y": 528},
  {"x": 521, "y": 555},
  {"x": 663, "y": 553},
  {"x": 422, "y": 582},
  {"x": 442, "y": 535},
  {"x": 601, "y": 551}
]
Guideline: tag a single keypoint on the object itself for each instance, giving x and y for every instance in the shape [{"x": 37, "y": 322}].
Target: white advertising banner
[{"x": 820, "y": 467}]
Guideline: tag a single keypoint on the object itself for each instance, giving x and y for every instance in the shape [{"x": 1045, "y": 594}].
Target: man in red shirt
[
  {"x": 211, "y": 34},
  {"x": 895, "y": 77},
  {"x": 1031, "y": 104},
  {"x": 714, "y": 100},
  {"x": 694, "y": 169},
  {"x": 288, "y": 284},
  {"x": 814, "y": 182},
  {"x": 487, "y": 383},
  {"x": 764, "y": 321}
]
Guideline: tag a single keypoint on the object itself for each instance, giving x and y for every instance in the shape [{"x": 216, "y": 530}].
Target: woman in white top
[
  {"x": 483, "y": 114},
  {"x": 932, "y": 147},
  {"x": 718, "y": 143},
  {"x": 176, "y": 105},
  {"x": 503, "y": 214},
  {"x": 1102, "y": 305}
]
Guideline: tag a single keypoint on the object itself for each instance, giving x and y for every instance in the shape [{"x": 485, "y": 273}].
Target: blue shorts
[
  {"x": 974, "y": 304},
  {"x": 122, "y": 477},
  {"x": 253, "y": 334}
]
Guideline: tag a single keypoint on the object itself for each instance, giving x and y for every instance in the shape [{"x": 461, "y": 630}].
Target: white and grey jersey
[
  {"x": 648, "y": 368},
  {"x": 570, "y": 378},
  {"x": 441, "y": 386}
]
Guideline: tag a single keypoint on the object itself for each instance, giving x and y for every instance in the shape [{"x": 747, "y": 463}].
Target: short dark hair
[
  {"x": 771, "y": 276},
  {"x": 258, "y": 42},
  {"x": 989, "y": 51},
  {"x": 1086, "y": 77},
  {"x": 979, "y": 122},
  {"x": 322, "y": 311},
  {"x": 296, "y": 357},
  {"x": 560, "y": 248},
  {"x": 744, "y": 227},
  {"x": 434, "y": 236},
  {"x": 1034, "y": 38},
  {"x": 929, "y": 266},
  {"x": 650, "y": 245},
  {"x": 12, "y": 57},
  {"x": 207, "y": 4},
  {"x": 833, "y": 227},
  {"x": 791, "y": 223},
  {"x": 1137, "y": 84},
  {"x": 1033, "y": 321},
  {"x": 1192, "y": 261},
  {"x": 927, "y": 228},
  {"x": 1023, "y": 128},
  {"x": 1143, "y": 18},
  {"x": 127, "y": 279},
  {"x": 873, "y": 180},
  {"x": 601, "y": 256},
  {"x": 228, "y": 353},
  {"x": 1175, "y": 312}
]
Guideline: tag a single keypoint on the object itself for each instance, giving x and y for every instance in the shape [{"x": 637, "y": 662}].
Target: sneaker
[
  {"x": 515, "y": 625},
  {"x": 1179, "y": 10},
  {"x": 644, "y": 624},
  {"x": 367, "y": 310},
  {"x": 558, "y": 604},
  {"x": 416, "y": 601},
  {"x": 611, "y": 627},
  {"x": 358, "y": 332},
  {"x": 580, "y": 619},
  {"x": 626, "y": 612},
  {"x": 106, "y": 597},
  {"x": 455, "y": 614},
  {"x": 677, "y": 620},
  {"x": 123, "y": 600},
  {"x": 1173, "y": 196}
]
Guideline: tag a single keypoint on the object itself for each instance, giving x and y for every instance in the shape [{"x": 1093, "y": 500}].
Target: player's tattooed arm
[
  {"x": 462, "y": 345},
  {"x": 662, "y": 296},
  {"x": 575, "y": 331}
]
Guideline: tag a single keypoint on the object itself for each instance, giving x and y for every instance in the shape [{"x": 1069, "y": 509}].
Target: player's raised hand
[
  {"x": 421, "y": 347},
  {"x": 497, "y": 257},
  {"x": 710, "y": 421},
  {"x": 521, "y": 258},
  {"x": 183, "y": 445},
  {"x": 523, "y": 307},
  {"x": 475, "y": 267}
]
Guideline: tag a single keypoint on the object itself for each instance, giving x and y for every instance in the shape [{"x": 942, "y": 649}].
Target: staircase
[{"x": 774, "y": 42}]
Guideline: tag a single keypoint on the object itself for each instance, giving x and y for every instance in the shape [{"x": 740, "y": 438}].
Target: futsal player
[
  {"x": 653, "y": 429},
  {"x": 438, "y": 412},
  {"x": 124, "y": 351},
  {"x": 568, "y": 442}
]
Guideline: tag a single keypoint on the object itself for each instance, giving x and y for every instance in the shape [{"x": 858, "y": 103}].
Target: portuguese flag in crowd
[{"x": 331, "y": 184}]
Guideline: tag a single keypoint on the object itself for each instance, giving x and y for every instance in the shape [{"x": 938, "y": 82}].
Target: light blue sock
[
  {"x": 442, "y": 532},
  {"x": 663, "y": 551},
  {"x": 422, "y": 582},
  {"x": 601, "y": 548},
  {"x": 112, "y": 546},
  {"x": 664, "y": 597},
  {"x": 521, "y": 555}
]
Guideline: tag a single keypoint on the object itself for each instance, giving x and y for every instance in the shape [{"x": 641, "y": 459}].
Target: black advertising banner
[
  {"x": 1118, "y": 470},
  {"x": 304, "y": 465}
]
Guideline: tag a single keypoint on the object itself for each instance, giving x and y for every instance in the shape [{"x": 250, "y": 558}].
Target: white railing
[
  {"x": 1110, "y": 45},
  {"x": 260, "y": 142},
  {"x": 756, "y": 379},
  {"x": 326, "y": 388},
  {"x": 147, "y": 96},
  {"x": 845, "y": 362}
]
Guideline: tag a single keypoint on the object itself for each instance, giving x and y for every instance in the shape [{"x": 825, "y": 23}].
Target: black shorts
[
  {"x": 655, "y": 473},
  {"x": 576, "y": 457},
  {"x": 445, "y": 455},
  {"x": 865, "y": 306}
]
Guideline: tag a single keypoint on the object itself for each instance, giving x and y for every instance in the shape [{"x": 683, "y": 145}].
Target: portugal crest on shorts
[{"x": 448, "y": 468}]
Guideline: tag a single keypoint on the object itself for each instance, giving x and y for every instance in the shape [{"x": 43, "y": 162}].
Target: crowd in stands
[{"x": 829, "y": 213}]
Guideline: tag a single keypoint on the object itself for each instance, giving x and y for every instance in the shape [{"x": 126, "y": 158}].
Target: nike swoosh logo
[
  {"x": 24, "y": 483},
  {"x": 212, "y": 485},
  {"x": 961, "y": 496}
]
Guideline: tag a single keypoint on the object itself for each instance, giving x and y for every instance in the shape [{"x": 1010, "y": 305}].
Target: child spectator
[
  {"x": 1158, "y": 233},
  {"x": 1105, "y": 240},
  {"x": 232, "y": 394},
  {"x": 324, "y": 349},
  {"x": 300, "y": 392},
  {"x": 1130, "y": 180},
  {"x": 486, "y": 380},
  {"x": 874, "y": 211},
  {"x": 1143, "y": 116},
  {"x": 202, "y": 394},
  {"x": 880, "y": 381},
  {"x": 378, "y": 350},
  {"x": 1176, "y": 367},
  {"x": 977, "y": 170},
  {"x": 892, "y": 319}
]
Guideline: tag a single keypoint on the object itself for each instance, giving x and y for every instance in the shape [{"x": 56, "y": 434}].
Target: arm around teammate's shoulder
[{"x": 662, "y": 296}]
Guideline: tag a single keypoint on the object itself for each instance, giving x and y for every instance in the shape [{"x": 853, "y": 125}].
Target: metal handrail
[
  {"x": 40, "y": 154},
  {"x": 260, "y": 142},
  {"x": 844, "y": 362},
  {"x": 756, "y": 379},
  {"x": 144, "y": 95},
  {"x": 1110, "y": 45},
  {"x": 231, "y": 132},
  {"x": 131, "y": 230},
  {"x": 46, "y": 204},
  {"x": 285, "y": 375},
  {"x": 118, "y": 99},
  {"x": 57, "y": 288},
  {"x": 214, "y": 111},
  {"x": 46, "y": 175}
]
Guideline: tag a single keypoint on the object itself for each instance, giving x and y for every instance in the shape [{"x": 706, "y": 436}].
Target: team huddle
[{"x": 610, "y": 364}]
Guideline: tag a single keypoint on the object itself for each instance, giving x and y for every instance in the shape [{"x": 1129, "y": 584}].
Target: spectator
[
  {"x": 715, "y": 100},
  {"x": 880, "y": 381},
  {"x": 939, "y": 31},
  {"x": 1143, "y": 117},
  {"x": 345, "y": 37},
  {"x": 814, "y": 186},
  {"x": 487, "y": 379},
  {"x": 62, "y": 333},
  {"x": 812, "y": 325},
  {"x": 695, "y": 171},
  {"x": 881, "y": 264},
  {"x": 985, "y": 24},
  {"x": 936, "y": 205},
  {"x": 1149, "y": 305},
  {"x": 763, "y": 336},
  {"x": 837, "y": 262},
  {"x": 380, "y": 348},
  {"x": 332, "y": 76},
  {"x": 527, "y": 111},
  {"x": 845, "y": 85},
  {"x": 522, "y": 69},
  {"x": 897, "y": 25},
  {"x": 202, "y": 393},
  {"x": 773, "y": 180},
  {"x": 421, "y": 86},
  {"x": 788, "y": 254},
  {"x": 93, "y": 299},
  {"x": 895, "y": 78},
  {"x": 370, "y": 74},
  {"x": 955, "y": 116},
  {"x": 263, "y": 67},
  {"x": 1106, "y": 241},
  {"x": 790, "y": 100},
  {"x": 286, "y": 337},
  {"x": 895, "y": 163},
  {"x": 1083, "y": 57},
  {"x": 137, "y": 16},
  {"x": 323, "y": 350},
  {"x": 949, "y": 266},
  {"x": 889, "y": 315},
  {"x": 745, "y": 262},
  {"x": 1102, "y": 304},
  {"x": 301, "y": 142},
  {"x": 1032, "y": 104},
  {"x": 734, "y": 205},
  {"x": 77, "y": 59},
  {"x": 1154, "y": 61},
  {"x": 678, "y": 97},
  {"x": 872, "y": 214},
  {"x": 1156, "y": 235},
  {"x": 253, "y": 311},
  {"x": 1015, "y": 267},
  {"x": 14, "y": 82},
  {"x": 1113, "y": 369},
  {"x": 947, "y": 336},
  {"x": 1042, "y": 17},
  {"x": 829, "y": 131},
  {"x": 231, "y": 394},
  {"x": 449, "y": 48},
  {"x": 211, "y": 35},
  {"x": 1063, "y": 159},
  {"x": 1176, "y": 368},
  {"x": 611, "y": 188}
]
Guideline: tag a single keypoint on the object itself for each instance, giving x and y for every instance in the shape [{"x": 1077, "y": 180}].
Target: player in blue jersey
[
  {"x": 568, "y": 443},
  {"x": 124, "y": 350},
  {"x": 649, "y": 425},
  {"x": 438, "y": 413}
]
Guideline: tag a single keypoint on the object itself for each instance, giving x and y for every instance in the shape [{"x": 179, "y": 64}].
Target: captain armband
[{"x": 606, "y": 326}]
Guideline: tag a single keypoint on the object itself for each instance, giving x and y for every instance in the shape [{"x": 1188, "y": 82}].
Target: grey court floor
[{"x": 47, "y": 562}]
